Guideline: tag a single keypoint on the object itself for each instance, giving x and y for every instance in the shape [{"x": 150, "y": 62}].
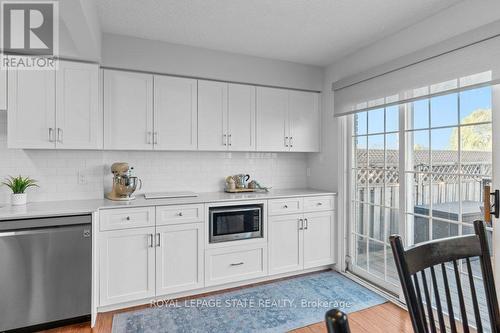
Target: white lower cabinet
[
  {"x": 318, "y": 239},
  {"x": 235, "y": 263},
  {"x": 179, "y": 258},
  {"x": 126, "y": 265},
  {"x": 285, "y": 244},
  {"x": 301, "y": 241}
]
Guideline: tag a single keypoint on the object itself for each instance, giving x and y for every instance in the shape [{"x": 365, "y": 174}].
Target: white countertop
[{"x": 77, "y": 207}]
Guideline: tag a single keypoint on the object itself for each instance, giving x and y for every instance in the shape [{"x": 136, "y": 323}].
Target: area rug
[{"x": 275, "y": 307}]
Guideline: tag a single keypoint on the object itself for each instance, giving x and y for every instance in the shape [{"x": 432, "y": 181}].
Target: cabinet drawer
[
  {"x": 179, "y": 214},
  {"x": 231, "y": 264},
  {"x": 125, "y": 218},
  {"x": 325, "y": 202},
  {"x": 285, "y": 206}
]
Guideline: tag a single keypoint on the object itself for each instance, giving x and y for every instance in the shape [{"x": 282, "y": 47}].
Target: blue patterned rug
[{"x": 275, "y": 307}]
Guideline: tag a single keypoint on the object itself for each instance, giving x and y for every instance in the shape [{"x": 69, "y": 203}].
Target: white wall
[
  {"x": 57, "y": 171},
  {"x": 147, "y": 55}
]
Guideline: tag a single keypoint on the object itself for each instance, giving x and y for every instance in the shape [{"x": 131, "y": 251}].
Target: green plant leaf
[{"x": 19, "y": 184}]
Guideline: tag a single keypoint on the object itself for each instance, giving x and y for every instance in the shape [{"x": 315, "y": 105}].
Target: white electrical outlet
[{"x": 82, "y": 179}]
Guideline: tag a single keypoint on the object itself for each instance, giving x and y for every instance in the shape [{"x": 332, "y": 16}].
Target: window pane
[
  {"x": 444, "y": 110},
  {"x": 419, "y": 159},
  {"x": 392, "y": 222},
  {"x": 420, "y": 185},
  {"x": 376, "y": 121},
  {"x": 361, "y": 211},
  {"x": 376, "y": 191},
  {"x": 361, "y": 248},
  {"x": 392, "y": 118},
  {"x": 444, "y": 154},
  {"x": 376, "y": 222},
  {"x": 442, "y": 229},
  {"x": 376, "y": 151},
  {"x": 445, "y": 196},
  {"x": 360, "y": 153},
  {"x": 360, "y": 123},
  {"x": 376, "y": 257},
  {"x": 392, "y": 273},
  {"x": 361, "y": 189},
  {"x": 392, "y": 189},
  {"x": 420, "y": 111},
  {"x": 472, "y": 198},
  {"x": 476, "y": 138},
  {"x": 392, "y": 151},
  {"x": 420, "y": 228},
  {"x": 475, "y": 105}
]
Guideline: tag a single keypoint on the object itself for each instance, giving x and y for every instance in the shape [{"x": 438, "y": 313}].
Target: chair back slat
[
  {"x": 419, "y": 298},
  {"x": 448, "y": 254},
  {"x": 477, "y": 314},
  {"x": 428, "y": 302},
  {"x": 449, "y": 303},
  {"x": 442, "y": 327},
  {"x": 463, "y": 312}
]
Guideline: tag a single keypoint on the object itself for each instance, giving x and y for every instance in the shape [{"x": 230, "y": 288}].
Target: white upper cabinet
[
  {"x": 272, "y": 119},
  {"x": 32, "y": 111},
  {"x": 175, "y": 113},
  {"x": 241, "y": 117},
  {"x": 287, "y": 120},
  {"x": 303, "y": 118},
  {"x": 78, "y": 116},
  {"x": 212, "y": 115},
  {"x": 128, "y": 110},
  {"x": 3, "y": 89}
]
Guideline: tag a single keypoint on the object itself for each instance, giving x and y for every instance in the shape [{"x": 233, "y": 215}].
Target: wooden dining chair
[
  {"x": 424, "y": 260},
  {"x": 336, "y": 321}
]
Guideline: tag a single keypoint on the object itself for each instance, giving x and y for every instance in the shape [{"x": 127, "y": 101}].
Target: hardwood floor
[{"x": 385, "y": 318}]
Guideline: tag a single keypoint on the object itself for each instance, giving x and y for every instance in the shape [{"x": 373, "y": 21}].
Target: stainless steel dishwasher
[{"x": 45, "y": 271}]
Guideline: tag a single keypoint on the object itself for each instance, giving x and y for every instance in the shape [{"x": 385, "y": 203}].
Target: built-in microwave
[{"x": 231, "y": 223}]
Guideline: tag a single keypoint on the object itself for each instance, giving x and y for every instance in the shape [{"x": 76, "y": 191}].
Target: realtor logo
[{"x": 29, "y": 29}]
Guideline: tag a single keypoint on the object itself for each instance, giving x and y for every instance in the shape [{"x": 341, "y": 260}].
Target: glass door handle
[{"x": 491, "y": 208}]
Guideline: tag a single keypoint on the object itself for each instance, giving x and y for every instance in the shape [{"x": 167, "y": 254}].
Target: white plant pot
[{"x": 18, "y": 199}]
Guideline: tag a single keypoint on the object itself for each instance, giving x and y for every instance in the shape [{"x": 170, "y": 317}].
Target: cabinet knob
[
  {"x": 127, "y": 218},
  {"x": 285, "y": 206},
  {"x": 320, "y": 203},
  {"x": 179, "y": 214}
]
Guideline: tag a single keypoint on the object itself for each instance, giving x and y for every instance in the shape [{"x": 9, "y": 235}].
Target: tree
[{"x": 475, "y": 137}]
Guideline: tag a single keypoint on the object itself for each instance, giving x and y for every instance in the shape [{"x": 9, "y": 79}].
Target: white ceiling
[{"x": 316, "y": 32}]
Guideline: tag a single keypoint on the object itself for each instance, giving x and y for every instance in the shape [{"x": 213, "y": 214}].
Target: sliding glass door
[{"x": 418, "y": 170}]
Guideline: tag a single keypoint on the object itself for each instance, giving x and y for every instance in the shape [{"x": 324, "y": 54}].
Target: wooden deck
[{"x": 385, "y": 318}]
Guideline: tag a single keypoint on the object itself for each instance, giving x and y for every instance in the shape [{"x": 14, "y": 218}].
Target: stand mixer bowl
[{"x": 124, "y": 186}]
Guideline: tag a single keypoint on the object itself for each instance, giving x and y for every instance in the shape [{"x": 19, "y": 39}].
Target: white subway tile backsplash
[{"x": 57, "y": 170}]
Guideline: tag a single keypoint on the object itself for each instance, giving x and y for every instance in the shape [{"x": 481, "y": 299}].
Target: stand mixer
[{"x": 124, "y": 184}]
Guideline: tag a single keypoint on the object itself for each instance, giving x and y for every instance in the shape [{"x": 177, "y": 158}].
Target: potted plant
[{"x": 19, "y": 185}]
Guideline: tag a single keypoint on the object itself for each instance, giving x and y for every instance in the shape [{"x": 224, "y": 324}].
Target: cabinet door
[
  {"x": 212, "y": 115},
  {"x": 303, "y": 115},
  {"x": 179, "y": 258},
  {"x": 32, "y": 112},
  {"x": 126, "y": 265},
  {"x": 175, "y": 113},
  {"x": 272, "y": 123},
  {"x": 3, "y": 89},
  {"x": 285, "y": 244},
  {"x": 128, "y": 110},
  {"x": 78, "y": 116},
  {"x": 318, "y": 239},
  {"x": 241, "y": 119}
]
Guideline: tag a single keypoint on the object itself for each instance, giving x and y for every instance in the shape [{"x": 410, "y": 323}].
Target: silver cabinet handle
[
  {"x": 51, "y": 134},
  {"x": 237, "y": 264},
  {"x": 301, "y": 224},
  {"x": 127, "y": 218},
  {"x": 286, "y": 141},
  {"x": 290, "y": 142},
  {"x": 158, "y": 239},
  {"x": 179, "y": 214},
  {"x": 229, "y": 138},
  {"x": 155, "y": 138},
  {"x": 306, "y": 223},
  {"x": 59, "y": 135},
  {"x": 224, "y": 139},
  {"x": 148, "y": 138},
  {"x": 150, "y": 242},
  {"x": 320, "y": 204},
  {"x": 285, "y": 206}
]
